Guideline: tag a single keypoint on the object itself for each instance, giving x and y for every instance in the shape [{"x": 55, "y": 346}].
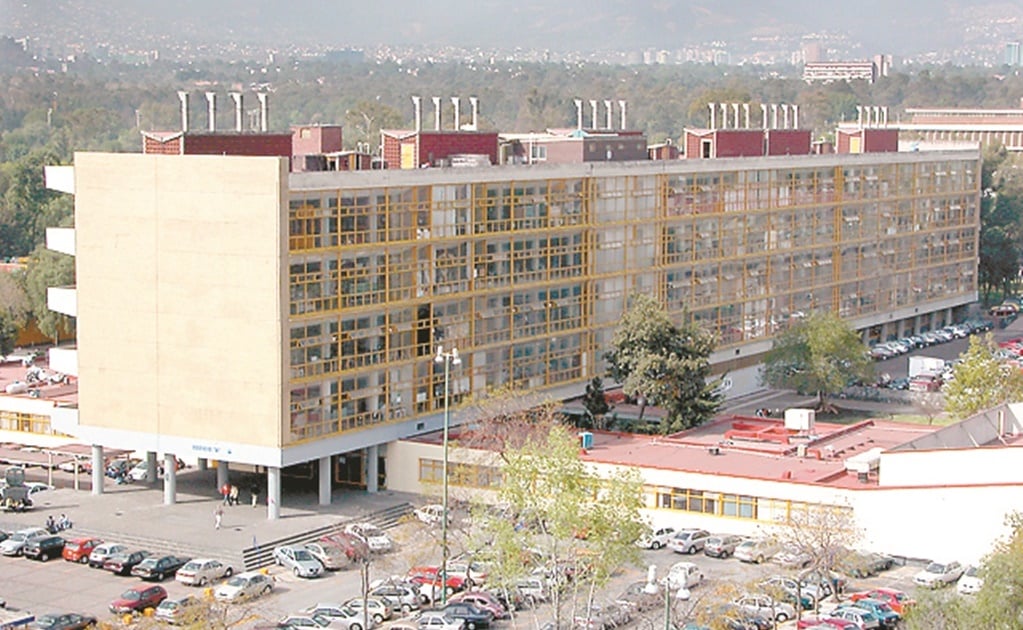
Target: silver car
[
  {"x": 340, "y": 616},
  {"x": 244, "y": 586},
  {"x": 766, "y": 607},
  {"x": 298, "y": 560},
  {"x": 202, "y": 571},
  {"x": 15, "y": 545}
]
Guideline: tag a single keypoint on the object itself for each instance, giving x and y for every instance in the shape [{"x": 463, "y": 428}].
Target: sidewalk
[{"x": 137, "y": 511}]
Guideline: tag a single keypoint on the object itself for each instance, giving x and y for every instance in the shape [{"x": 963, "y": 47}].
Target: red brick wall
[
  {"x": 438, "y": 145},
  {"x": 321, "y": 139},
  {"x": 392, "y": 151},
  {"x": 739, "y": 143},
  {"x": 693, "y": 140},
  {"x": 623, "y": 149},
  {"x": 239, "y": 144},
  {"x": 151, "y": 146},
  {"x": 880, "y": 140},
  {"x": 788, "y": 142}
]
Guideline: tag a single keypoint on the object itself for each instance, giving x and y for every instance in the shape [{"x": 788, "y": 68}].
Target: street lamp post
[{"x": 448, "y": 359}]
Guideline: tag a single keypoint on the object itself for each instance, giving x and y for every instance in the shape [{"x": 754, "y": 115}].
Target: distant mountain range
[{"x": 900, "y": 27}]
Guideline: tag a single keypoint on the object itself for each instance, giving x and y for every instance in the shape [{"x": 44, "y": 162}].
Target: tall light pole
[{"x": 448, "y": 359}]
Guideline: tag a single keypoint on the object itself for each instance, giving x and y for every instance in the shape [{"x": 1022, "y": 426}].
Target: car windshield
[
  {"x": 131, "y": 596},
  {"x": 323, "y": 620},
  {"x": 303, "y": 556},
  {"x": 236, "y": 581},
  {"x": 971, "y": 572},
  {"x": 748, "y": 544},
  {"x": 191, "y": 566},
  {"x": 370, "y": 531},
  {"x": 18, "y": 537},
  {"x": 934, "y": 567}
]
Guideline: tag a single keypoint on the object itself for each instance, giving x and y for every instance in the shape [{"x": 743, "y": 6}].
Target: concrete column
[
  {"x": 273, "y": 493},
  {"x": 325, "y": 480},
  {"x": 98, "y": 469},
  {"x": 150, "y": 466},
  {"x": 221, "y": 474},
  {"x": 202, "y": 463},
  {"x": 170, "y": 479},
  {"x": 372, "y": 468}
]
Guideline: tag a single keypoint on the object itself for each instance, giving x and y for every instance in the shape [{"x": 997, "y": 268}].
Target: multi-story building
[
  {"x": 228, "y": 309},
  {"x": 950, "y": 125}
]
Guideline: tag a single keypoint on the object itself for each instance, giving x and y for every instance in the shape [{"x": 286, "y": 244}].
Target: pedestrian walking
[
  {"x": 234, "y": 495},
  {"x": 218, "y": 516},
  {"x": 255, "y": 494},
  {"x": 225, "y": 492}
]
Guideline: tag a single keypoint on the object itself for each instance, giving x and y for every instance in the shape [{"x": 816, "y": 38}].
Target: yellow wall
[{"x": 180, "y": 319}]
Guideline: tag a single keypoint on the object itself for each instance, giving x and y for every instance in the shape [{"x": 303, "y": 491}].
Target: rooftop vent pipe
[
  {"x": 264, "y": 111},
  {"x": 417, "y": 113},
  {"x": 211, "y": 110},
  {"x": 457, "y": 102},
  {"x": 610, "y": 120},
  {"x": 238, "y": 111},
  {"x": 436, "y": 113},
  {"x": 578, "y": 113},
  {"x": 621, "y": 109},
  {"x": 183, "y": 97},
  {"x": 474, "y": 103}
]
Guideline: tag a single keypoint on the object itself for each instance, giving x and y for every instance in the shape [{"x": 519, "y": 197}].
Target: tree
[
  {"x": 1001, "y": 214},
  {"x": 595, "y": 403},
  {"x": 47, "y": 269},
  {"x": 665, "y": 364},
  {"x": 583, "y": 525},
  {"x": 980, "y": 381},
  {"x": 820, "y": 354}
]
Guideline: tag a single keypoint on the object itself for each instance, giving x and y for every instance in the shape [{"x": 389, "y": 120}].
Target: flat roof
[
  {"x": 64, "y": 392},
  {"x": 745, "y": 446}
]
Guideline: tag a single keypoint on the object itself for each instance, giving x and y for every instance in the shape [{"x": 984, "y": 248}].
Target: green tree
[
  {"x": 583, "y": 524},
  {"x": 365, "y": 120},
  {"x": 980, "y": 381},
  {"x": 1001, "y": 214},
  {"x": 47, "y": 269},
  {"x": 595, "y": 403},
  {"x": 820, "y": 354},
  {"x": 665, "y": 364}
]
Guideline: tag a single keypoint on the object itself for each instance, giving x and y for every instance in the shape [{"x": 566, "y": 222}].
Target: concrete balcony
[
  {"x": 64, "y": 418},
  {"x": 60, "y": 178},
  {"x": 64, "y": 360},
  {"x": 63, "y": 300},
  {"x": 61, "y": 240}
]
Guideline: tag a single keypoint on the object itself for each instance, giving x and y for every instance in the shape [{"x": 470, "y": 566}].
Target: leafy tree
[
  {"x": 366, "y": 119},
  {"x": 583, "y": 525},
  {"x": 664, "y": 363},
  {"x": 8, "y": 333},
  {"x": 819, "y": 353},
  {"x": 595, "y": 403},
  {"x": 981, "y": 381},
  {"x": 1001, "y": 218},
  {"x": 47, "y": 269}
]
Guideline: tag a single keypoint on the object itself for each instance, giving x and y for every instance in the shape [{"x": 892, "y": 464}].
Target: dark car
[
  {"x": 158, "y": 568},
  {"x": 472, "y": 616},
  {"x": 138, "y": 598},
  {"x": 63, "y": 621},
  {"x": 44, "y": 548},
  {"x": 123, "y": 563}
]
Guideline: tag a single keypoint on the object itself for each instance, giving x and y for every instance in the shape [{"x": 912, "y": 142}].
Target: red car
[
  {"x": 137, "y": 599},
  {"x": 78, "y": 549},
  {"x": 816, "y": 622},
  {"x": 431, "y": 575},
  {"x": 896, "y": 599},
  {"x": 482, "y": 600},
  {"x": 354, "y": 548}
]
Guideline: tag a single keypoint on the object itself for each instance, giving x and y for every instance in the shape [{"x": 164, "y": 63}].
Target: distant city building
[
  {"x": 986, "y": 126},
  {"x": 829, "y": 71},
  {"x": 813, "y": 51},
  {"x": 1012, "y": 54},
  {"x": 572, "y": 146}
]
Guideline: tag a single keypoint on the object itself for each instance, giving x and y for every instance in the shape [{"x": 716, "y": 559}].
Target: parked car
[
  {"x": 656, "y": 538},
  {"x": 969, "y": 582},
  {"x": 688, "y": 540},
  {"x": 100, "y": 554},
  {"x": 15, "y": 543},
  {"x": 789, "y": 589},
  {"x": 938, "y": 574},
  {"x": 828, "y": 582},
  {"x": 533, "y": 590},
  {"x": 860, "y": 616},
  {"x": 683, "y": 575},
  {"x": 158, "y": 568},
  {"x": 119, "y": 467},
  {"x": 339, "y": 616},
  {"x": 123, "y": 563},
  {"x": 482, "y": 600},
  {"x": 332, "y": 557},
  {"x": 78, "y": 549},
  {"x": 756, "y": 550},
  {"x": 179, "y": 609},
  {"x": 380, "y": 608},
  {"x": 297, "y": 560},
  {"x": 202, "y": 571},
  {"x": 63, "y": 621},
  {"x": 887, "y": 617},
  {"x": 766, "y": 606},
  {"x": 899, "y": 601},
  {"x": 405, "y": 595},
  {"x": 373, "y": 536},
  {"x": 244, "y": 586},
  {"x": 43, "y": 548},
  {"x": 863, "y": 564},
  {"x": 138, "y": 598},
  {"x": 439, "y": 620},
  {"x": 312, "y": 621},
  {"x": 431, "y": 575},
  {"x": 472, "y": 572},
  {"x": 721, "y": 545},
  {"x": 792, "y": 557},
  {"x": 354, "y": 548},
  {"x": 431, "y": 514},
  {"x": 471, "y": 615},
  {"x": 826, "y": 623}
]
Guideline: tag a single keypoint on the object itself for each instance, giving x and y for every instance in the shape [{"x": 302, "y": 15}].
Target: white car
[
  {"x": 202, "y": 571},
  {"x": 340, "y": 616},
  {"x": 138, "y": 472},
  {"x": 656, "y": 538},
  {"x": 331, "y": 557},
  {"x": 244, "y": 586},
  {"x": 15, "y": 545},
  {"x": 688, "y": 540},
  {"x": 315, "y": 621},
  {"x": 766, "y": 607},
  {"x": 37, "y": 486},
  {"x": 473, "y": 573},
  {"x": 938, "y": 574},
  {"x": 373, "y": 536},
  {"x": 439, "y": 620},
  {"x": 380, "y": 608},
  {"x": 970, "y": 582},
  {"x": 755, "y": 550},
  {"x": 431, "y": 514},
  {"x": 100, "y": 554},
  {"x": 298, "y": 560},
  {"x": 683, "y": 575}
]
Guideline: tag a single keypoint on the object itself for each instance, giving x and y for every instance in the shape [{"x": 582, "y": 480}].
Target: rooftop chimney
[
  {"x": 593, "y": 118},
  {"x": 724, "y": 115},
  {"x": 474, "y": 103},
  {"x": 237, "y": 98},
  {"x": 735, "y": 114},
  {"x": 795, "y": 116},
  {"x": 211, "y": 110},
  {"x": 621, "y": 109},
  {"x": 745, "y": 109},
  {"x": 417, "y": 113},
  {"x": 578, "y": 113},
  {"x": 436, "y": 113},
  {"x": 183, "y": 96},
  {"x": 763, "y": 116},
  {"x": 264, "y": 111},
  {"x": 785, "y": 115},
  {"x": 713, "y": 109},
  {"x": 610, "y": 120}
]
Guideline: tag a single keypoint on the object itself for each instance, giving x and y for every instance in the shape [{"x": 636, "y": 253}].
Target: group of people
[
  {"x": 230, "y": 494},
  {"x": 57, "y": 525}
]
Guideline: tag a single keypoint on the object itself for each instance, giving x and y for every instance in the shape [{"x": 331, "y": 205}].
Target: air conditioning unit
[{"x": 800, "y": 420}]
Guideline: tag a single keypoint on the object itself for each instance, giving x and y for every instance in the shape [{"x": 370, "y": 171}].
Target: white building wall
[
  {"x": 959, "y": 467},
  {"x": 61, "y": 240},
  {"x": 62, "y": 300},
  {"x": 63, "y": 360}
]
